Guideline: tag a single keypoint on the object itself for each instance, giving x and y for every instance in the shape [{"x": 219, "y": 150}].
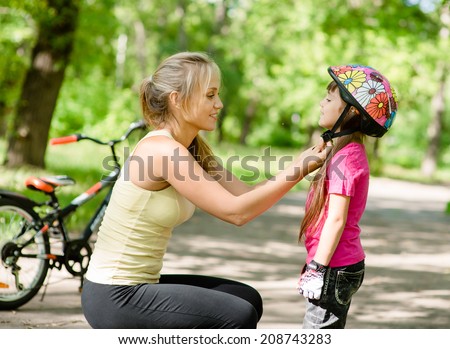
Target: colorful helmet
[{"x": 371, "y": 93}]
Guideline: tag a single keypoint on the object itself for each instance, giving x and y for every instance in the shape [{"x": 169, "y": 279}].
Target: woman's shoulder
[
  {"x": 160, "y": 132},
  {"x": 158, "y": 142}
]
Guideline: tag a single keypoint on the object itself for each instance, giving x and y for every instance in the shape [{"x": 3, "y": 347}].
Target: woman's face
[
  {"x": 207, "y": 106},
  {"x": 331, "y": 108}
]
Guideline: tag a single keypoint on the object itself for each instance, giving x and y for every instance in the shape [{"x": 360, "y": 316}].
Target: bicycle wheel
[{"x": 23, "y": 268}]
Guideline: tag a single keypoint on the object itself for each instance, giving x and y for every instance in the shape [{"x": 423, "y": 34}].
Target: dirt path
[{"x": 407, "y": 285}]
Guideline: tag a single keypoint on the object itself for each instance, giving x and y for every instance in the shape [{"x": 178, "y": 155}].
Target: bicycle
[{"x": 28, "y": 227}]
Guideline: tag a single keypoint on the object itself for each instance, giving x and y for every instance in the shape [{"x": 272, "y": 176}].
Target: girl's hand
[{"x": 310, "y": 283}]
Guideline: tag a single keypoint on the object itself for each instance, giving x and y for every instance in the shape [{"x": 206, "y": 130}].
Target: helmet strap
[{"x": 330, "y": 134}]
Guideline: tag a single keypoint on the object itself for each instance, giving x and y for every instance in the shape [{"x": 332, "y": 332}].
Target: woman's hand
[{"x": 311, "y": 159}]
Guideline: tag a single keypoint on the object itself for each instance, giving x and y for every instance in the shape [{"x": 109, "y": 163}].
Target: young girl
[
  {"x": 167, "y": 176},
  {"x": 359, "y": 102}
]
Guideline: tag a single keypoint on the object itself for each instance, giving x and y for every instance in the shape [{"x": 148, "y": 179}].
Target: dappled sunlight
[
  {"x": 232, "y": 268},
  {"x": 413, "y": 298},
  {"x": 403, "y": 309},
  {"x": 407, "y": 282},
  {"x": 288, "y": 210},
  {"x": 414, "y": 262},
  {"x": 391, "y": 190},
  {"x": 411, "y": 206},
  {"x": 269, "y": 261},
  {"x": 433, "y": 299},
  {"x": 389, "y": 316}
]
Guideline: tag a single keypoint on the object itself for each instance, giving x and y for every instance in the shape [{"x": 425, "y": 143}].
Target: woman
[{"x": 170, "y": 172}]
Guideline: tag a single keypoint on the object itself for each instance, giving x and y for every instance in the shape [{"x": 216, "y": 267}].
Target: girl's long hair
[
  {"x": 317, "y": 203},
  {"x": 187, "y": 73}
]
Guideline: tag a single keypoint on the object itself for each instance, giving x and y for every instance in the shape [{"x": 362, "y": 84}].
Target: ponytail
[{"x": 203, "y": 154}]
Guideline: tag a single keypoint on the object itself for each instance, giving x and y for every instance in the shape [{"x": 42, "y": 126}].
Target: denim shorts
[{"x": 331, "y": 310}]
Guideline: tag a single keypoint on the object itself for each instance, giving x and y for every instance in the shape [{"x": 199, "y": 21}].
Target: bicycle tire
[{"x": 15, "y": 216}]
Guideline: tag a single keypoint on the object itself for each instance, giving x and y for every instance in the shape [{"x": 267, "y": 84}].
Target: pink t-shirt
[{"x": 347, "y": 174}]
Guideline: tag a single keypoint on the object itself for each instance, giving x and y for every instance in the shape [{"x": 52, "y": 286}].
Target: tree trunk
[
  {"x": 121, "y": 57},
  {"x": 182, "y": 36},
  {"x": 141, "y": 54},
  {"x": 220, "y": 23},
  {"x": 219, "y": 27},
  {"x": 250, "y": 112},
  {"x": 429, "y": 163},
  {"x": 43, "y": 80},
  {"x": 222, "y": 115},
  {"x": 3, "y": 119}
]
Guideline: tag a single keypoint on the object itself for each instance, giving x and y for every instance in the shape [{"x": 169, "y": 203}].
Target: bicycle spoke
[{"x": 21, "y": 272}]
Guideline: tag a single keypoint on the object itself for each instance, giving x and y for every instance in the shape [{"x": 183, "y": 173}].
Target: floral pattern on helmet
[
  {"x": 352, "y": 79},
  {"x": 370, "y": 90}
]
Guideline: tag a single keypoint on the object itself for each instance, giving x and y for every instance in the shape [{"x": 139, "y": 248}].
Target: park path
[{"x": 406, "y": 235}]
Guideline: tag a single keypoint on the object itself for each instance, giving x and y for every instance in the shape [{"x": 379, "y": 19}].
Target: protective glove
[{"x": 310, "y": 283}]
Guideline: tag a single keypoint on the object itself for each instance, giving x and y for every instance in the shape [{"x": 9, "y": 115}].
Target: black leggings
[{"x": 177, "y": 301}]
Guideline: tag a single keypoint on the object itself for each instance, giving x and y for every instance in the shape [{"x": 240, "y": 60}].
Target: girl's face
[
  {"x": 331, "y": 108},
  {"x": 208, "y": 105}
]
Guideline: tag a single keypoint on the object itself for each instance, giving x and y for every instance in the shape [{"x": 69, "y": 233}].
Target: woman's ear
[{"x": 173, "y": 98}]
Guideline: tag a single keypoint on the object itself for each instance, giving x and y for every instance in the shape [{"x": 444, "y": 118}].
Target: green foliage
[
  {"x": 273, "y": 55},
  {"x": 16, "y": 39},
  {"x": 103, "y": 106}
]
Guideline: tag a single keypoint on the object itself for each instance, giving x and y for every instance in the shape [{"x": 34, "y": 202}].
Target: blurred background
[{"x": 71, "y": 66}]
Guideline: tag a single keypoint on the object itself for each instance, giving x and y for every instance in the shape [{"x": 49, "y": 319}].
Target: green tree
[
  {"x": 16, "y": 40},
  {"x": 273, "y": 55},
  {"x": 56, "y": 24}
]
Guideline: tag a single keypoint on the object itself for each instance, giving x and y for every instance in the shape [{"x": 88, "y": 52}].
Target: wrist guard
[{"x": 319, "y": 268}]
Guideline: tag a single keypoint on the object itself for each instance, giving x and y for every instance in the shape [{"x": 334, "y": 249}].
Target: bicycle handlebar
[
  {"x": 78, "y": 137},
  {"x": 65, "y": 140}
]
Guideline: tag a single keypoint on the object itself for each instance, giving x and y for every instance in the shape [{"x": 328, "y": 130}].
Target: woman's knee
[{"x": 247, "y": 317}]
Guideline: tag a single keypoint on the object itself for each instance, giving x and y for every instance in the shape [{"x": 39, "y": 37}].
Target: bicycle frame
[
  {"x": 83, "y": 198},
  {"x": 58, "y": 215},
  {"x": 42, "y": 224}
]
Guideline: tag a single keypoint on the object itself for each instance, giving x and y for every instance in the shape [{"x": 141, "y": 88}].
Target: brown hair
[
  {"x": 315, "y": 207},
  {"x": 187, "y": 73}
]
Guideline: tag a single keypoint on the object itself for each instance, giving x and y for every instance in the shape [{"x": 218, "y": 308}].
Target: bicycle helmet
[{"x": 370, "y": 93}]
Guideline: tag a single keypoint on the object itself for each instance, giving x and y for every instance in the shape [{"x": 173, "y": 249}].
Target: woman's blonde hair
[
  {"x": 188, "y": 74},
  {"x": 315, "y": 207}
]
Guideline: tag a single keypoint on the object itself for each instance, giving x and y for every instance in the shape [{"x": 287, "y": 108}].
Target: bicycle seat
[{"x": 48, "y": 184}]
